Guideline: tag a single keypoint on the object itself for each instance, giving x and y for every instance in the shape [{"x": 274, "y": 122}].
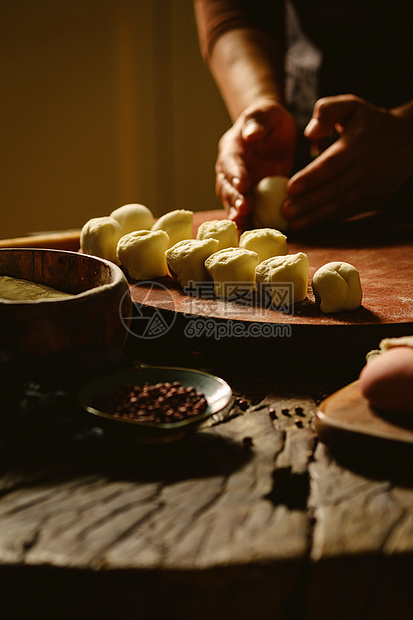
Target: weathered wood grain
[{"x": 252, "y": 506}]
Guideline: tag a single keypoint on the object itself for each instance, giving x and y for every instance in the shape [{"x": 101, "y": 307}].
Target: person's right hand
[{"x": 260, "y": 143}]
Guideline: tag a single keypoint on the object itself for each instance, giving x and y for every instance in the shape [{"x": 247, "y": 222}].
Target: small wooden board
[
  {"x": 379, "y": 444},
  {"x": 347, "y": 410}
]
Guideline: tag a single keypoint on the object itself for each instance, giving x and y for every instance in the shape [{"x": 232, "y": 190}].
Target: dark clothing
[{"x": 359, "y": 47}]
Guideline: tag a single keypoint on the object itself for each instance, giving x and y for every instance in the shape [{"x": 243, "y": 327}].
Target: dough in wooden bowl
[{"x": 19, "y": 289}]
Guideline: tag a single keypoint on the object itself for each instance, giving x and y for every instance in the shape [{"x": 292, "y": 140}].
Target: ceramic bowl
[{"x": 216, "y": 391}]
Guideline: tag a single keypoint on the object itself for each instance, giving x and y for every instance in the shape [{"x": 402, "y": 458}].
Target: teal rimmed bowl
[{"x": 216, "y": 391}]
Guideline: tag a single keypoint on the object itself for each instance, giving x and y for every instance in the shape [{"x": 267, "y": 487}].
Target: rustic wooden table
[{"x": 250, "y": 516}]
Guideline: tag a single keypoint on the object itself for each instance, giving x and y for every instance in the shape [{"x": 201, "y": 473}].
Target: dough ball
[
  {"x": 186, "y": 260},
  {"x": 337, "y": 287},
  {"x": 266, "y": 242},
  {"x": 269, "y": 196},
  {"x": 225, "y": 231},
  {"x": 231, "y": 269},
  {"x": 142, "y": 253},
  {"x": 133, "y": 217},
  {"x": 387, "y": 380},
  {"x": 100, "y": 236},
  {"x": 178, "y": 224},
  {"x": 276, "y": 272}
]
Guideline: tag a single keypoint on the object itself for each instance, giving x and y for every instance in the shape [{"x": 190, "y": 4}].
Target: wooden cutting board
[{"x": 383, "y": 255}]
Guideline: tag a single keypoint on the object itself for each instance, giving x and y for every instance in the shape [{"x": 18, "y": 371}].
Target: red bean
[{"x": 162, "y": 402}]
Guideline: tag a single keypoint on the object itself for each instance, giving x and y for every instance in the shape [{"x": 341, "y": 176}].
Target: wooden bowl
[{"x": 98, "y": 314}]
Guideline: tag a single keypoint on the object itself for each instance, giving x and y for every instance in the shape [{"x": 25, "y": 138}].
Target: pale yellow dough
[
  {"x": 100, "y": 236},
  {"x": 337, "y": 287},
  {"x": 231, "y": 268},
  {"x": 18, "y": 289},
  {"x": 142, "y": 253},
  {"x": 133, "y": 217},
  {"x": 178, "y": 224},
  {"x": 225, "y": 231},
  {"x": 401, "y": 341},
  {"x": 390, "y": 343},
  {"x": 266, "y": 242},
  {"x": 269, "y": 196},
  {"x": 186, "y": 260},
  {"x": 278, "y": 273}
]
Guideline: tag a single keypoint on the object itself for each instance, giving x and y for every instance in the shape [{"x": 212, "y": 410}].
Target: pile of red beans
[{"x": 159, "y": 403}]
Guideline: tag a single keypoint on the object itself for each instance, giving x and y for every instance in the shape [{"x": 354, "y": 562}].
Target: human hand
[
  {"x": 370, "y": 160},
  {"x": 260, "y": 143},
  {"x": 387, "y": 380}
]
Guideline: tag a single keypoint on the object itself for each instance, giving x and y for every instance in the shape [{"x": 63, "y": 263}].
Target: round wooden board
[{"x": 383, "y": 256}]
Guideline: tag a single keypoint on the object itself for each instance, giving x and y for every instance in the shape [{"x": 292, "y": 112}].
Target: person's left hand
[{"x": 370, "y": 160}]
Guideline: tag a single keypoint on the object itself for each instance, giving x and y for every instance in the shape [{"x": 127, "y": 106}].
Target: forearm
[
  {"x": 242, "y": 44},
  {"x": 247, "y": 66}
]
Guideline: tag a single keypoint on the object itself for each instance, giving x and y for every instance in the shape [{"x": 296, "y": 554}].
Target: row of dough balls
[
  {"x": 148, "y": 249},
  {"x": 131, "y": 237},
  {"x": 336, "y": 285}
]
